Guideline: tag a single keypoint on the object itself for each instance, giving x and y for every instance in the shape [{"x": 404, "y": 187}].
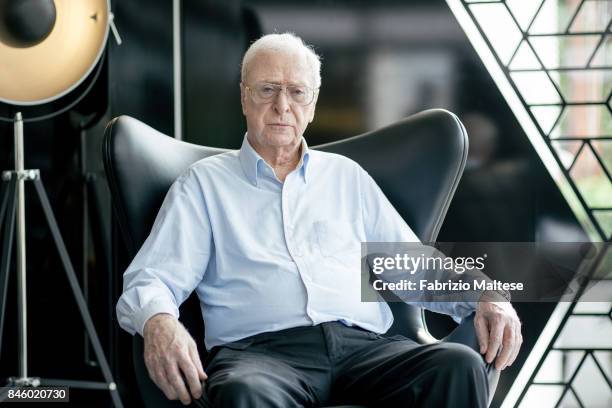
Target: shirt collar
[{"x": 249, "y": 160}]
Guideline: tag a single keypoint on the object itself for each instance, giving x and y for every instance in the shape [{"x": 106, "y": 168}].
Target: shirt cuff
[
  {"x": 151, "y": 309},
  {"x": 466, "y": 310}
]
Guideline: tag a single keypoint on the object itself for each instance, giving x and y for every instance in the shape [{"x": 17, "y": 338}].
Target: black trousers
[{"x": 332, "y": 364}]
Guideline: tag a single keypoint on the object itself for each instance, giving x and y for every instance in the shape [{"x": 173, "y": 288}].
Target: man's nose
[{"x": 281, "y": 102}]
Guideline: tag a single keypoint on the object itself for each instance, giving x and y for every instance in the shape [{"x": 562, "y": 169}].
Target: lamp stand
[{"x": 12, "y": 208}]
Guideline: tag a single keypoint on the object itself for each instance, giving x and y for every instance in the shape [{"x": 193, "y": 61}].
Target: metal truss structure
[{"x": 552, "y": 61}]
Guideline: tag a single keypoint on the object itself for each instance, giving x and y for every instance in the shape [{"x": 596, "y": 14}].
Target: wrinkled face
[{"x": 280, "y": 122}]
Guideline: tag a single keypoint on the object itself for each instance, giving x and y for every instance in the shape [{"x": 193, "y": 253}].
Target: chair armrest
[
  {"x": 465, "y": 334},
  {"x": 152, "y": 396}
]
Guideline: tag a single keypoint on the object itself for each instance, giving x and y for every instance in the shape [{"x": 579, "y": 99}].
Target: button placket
[{"x": 293, "y": 246}]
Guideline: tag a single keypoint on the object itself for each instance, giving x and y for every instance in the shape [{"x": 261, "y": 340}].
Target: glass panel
[
  {"x": 592, "y": 182},
  {"x": 593, "y": 16},
  {"x": 564, "y": 51},
  {"x": 569, "y": 401},
  {"x": 580, "y": 121},
  {"x": 604, "y": 219},
  {"x": 535, "y": 87},
  {"x": 546, "y": 116},
  {"x": 605, "y": 267},
  {"x": 578, "y": 332},
  {"x": 523, "y": 11},
  {"x": 598, "y": 291},
  {"x": 554, "y": 16},
  {"x": 558, "y": 366},
  {"x": 569, "y": 363},
  {"x": 604, "y": 151},
  {"x": 584, "y": 86},
  {"x": 604, "y": 358},
  {"x": 499, "y": 28},
  {"x": 591, "y": 387},
  {"x": 603, "y": 56},
  {"x": 525, "y": 58},
  {"x": 542, "y": 396},
  {"x": 566, "y": 150},
  {"x": 593, "y": 307}
]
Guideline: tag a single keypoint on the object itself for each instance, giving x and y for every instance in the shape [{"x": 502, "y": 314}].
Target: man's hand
[
  {"x": 169, "y": 351},
  {"x": 497, "y": 325}
]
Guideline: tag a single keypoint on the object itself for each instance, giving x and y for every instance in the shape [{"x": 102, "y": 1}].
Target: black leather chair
[{"x": 417, "y": 162}]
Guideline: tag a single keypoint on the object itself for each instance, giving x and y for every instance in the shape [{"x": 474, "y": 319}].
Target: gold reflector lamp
[{"x": 49, "y": 47}]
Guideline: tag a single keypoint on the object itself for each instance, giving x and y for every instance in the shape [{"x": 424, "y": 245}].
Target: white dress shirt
[{"x": 264, "y": 255}]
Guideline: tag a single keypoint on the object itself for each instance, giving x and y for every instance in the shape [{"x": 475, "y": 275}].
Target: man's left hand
[{"x": 498, "y": 326}]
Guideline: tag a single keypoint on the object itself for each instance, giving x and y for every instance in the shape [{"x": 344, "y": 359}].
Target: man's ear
[{"x": 243, "y": 98}]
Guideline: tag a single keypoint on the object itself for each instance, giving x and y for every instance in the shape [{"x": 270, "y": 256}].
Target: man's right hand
[{"x": 169, "y": 351}]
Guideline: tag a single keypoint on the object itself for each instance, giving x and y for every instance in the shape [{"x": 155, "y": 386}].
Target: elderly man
[{"x": 263, "y": 235}]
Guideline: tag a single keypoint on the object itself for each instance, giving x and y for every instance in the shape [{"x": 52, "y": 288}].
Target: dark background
[{"x": 381, "y": 61}]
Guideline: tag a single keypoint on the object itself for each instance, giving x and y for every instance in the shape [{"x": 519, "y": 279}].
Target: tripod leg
[
  {"x": 3, "y": 198},
  {"x": 76, "y": 291},
  {"x": 7, "y": 244}
]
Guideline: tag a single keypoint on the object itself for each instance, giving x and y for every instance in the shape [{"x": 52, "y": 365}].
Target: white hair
[{"x": 286, "y": 42}]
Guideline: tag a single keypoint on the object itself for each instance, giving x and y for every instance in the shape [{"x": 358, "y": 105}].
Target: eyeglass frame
[{"x": 315, "y": 91}]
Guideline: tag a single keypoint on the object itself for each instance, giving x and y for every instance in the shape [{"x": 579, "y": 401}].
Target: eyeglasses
[{"x": 264, "y": 92}]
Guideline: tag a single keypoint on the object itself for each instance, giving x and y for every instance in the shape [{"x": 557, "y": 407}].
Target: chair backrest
[{"x": 417, "y": 162}]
